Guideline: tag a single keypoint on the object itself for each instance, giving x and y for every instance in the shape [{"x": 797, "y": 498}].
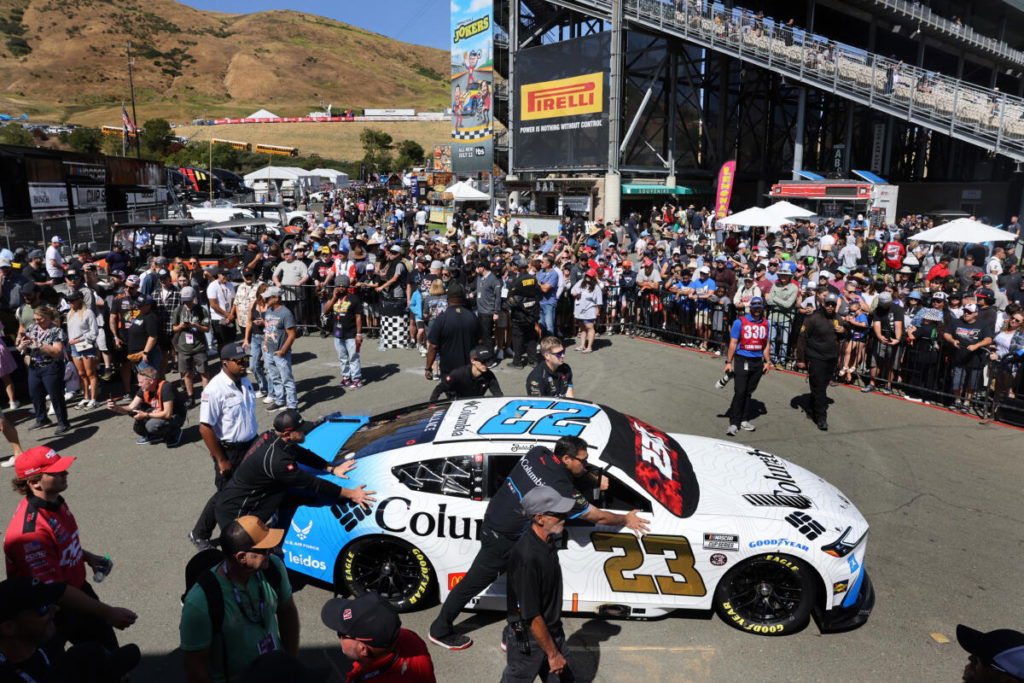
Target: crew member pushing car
[
  {"x": 565, "y": 470},
  {"x": 470, "y": 381}
]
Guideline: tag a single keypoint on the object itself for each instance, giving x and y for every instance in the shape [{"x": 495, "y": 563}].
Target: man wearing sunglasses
[
  {"x": 552, "y": 376},
  {"x": 227, "y": 423}
]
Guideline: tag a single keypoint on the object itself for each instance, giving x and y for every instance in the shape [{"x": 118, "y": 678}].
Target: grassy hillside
[
  {"x": 66, "y": 60},
  {"x": 332, "y": 140}
]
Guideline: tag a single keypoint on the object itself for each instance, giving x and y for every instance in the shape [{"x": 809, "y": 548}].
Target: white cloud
[
  {"x": 455, "y": 7},
  {"x": 477, "y": 5}
]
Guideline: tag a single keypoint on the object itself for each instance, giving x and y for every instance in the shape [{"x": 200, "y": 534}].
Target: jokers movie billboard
[
  {"x": 472, "y": 86},
  {"x": 561, "y": 108}
]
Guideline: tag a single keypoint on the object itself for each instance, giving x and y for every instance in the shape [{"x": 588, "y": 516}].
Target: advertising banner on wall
[
  {"x": 561, "y": 109},
  {"x": 723, "y": 191},
  {"x": 472, "y": 59}
]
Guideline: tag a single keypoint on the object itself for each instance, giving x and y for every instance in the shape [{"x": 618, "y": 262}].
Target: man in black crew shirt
[
  {"x": 534, "y": 634},
  {"x": 453, "y": 334},
  {"x": 564, "y": 470},
  {"x": 552, "y": 376},
  {"x": 470, "y": 381},
  {"x": 271, "y": 467}
]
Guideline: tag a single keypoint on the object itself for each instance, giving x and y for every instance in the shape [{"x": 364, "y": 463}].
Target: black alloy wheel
[
  {"x": 397, "y": 570},
  {"x": 767, "y": 594}
]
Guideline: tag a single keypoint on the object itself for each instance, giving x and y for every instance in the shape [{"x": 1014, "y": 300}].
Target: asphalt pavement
[{"x": 941, "y": 492}]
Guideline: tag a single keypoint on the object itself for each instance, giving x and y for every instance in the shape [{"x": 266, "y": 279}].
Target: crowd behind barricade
[{"x": 936, "y": 324}]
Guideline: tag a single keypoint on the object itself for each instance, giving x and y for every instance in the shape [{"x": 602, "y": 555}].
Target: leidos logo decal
[
  {"x": 305, "y": 561},
  {"x": 563, "y": 97}
]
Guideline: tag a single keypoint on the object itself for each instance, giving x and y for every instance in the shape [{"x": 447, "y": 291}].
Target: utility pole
[
  {"x": 210, "y": 179},
  {"x": 131, "y": 86}
]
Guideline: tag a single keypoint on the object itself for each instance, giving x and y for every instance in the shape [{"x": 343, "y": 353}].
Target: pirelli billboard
[{"x": 561, "y": 111}]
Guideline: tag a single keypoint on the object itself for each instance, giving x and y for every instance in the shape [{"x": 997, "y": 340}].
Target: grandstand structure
[{"x": 907, "y": 90}]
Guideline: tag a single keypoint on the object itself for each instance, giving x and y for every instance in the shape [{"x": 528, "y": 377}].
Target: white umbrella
[
  {"x": 754, "y": 216},
  {"x": 964, "y": 230},
  {"x": 787, "y": 210}
]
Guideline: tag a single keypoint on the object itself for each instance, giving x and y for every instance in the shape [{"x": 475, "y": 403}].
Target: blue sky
[{"x": 424, "y": 22}]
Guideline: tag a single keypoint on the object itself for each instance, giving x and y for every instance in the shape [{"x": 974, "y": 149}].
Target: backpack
[{"x": 199, "y": 570}]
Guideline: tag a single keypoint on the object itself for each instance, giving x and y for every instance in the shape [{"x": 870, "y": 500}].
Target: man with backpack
[
  {"x": 238, "y": 605},
  {"x": 157, "y": 410}
]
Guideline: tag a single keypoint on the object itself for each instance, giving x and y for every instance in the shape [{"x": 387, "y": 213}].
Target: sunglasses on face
[
  {"x": 240, "y": 361},
  {"x": 557, "y": 354}
]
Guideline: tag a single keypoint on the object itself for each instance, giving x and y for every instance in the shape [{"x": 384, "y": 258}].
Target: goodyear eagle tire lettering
[
  {"x": 768, "y": 595},
  {"x": 398, "y": 570}
]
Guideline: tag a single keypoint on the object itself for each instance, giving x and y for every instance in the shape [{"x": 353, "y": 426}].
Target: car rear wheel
[
  {"x": 770, "y": 595},
  {"x": 299, "y": 223},
  {"x": 397, "y": 570}
]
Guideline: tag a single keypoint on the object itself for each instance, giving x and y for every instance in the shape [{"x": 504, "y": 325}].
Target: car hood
[{"x": 739, "y": 480}]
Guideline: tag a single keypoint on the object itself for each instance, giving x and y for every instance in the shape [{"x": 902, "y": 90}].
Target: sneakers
[
  {"x": 732, "y": 430},
  {"x": 91, "y": 404},
  {"x": 867, "y": 388},
  {"x": 274, "y": 408},
  {"x": 61, "y": 429},
  {"x": 40, "y": 424},
  {"x": 82, "y": 404},
  {"x": 747, "y": 427},
  {"x": 452, "y": 641},
  {"x": 14, "y": 406},
  {"x": 259, "y": 393},
  {"x": 422, "y": 349},
  {"x": 143, "y": 441},
  {"x": 356, "y": 384},
  {"x": 268, "y": 400},
  {"x": 7, "y": 462},
  {"x": 201, "y": 544}
]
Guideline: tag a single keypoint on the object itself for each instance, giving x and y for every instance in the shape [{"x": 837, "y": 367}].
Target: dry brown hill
[{"x": 66, "y": 59}]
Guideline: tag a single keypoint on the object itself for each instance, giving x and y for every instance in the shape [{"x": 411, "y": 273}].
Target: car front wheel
[
  {"x": 299, "y": 223},
  {"x": 769, "y": 595},
  {"x": 398, "y": 571}
]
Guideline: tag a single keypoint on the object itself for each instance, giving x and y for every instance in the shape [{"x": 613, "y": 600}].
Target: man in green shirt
[{"x": 259, "y": 615}]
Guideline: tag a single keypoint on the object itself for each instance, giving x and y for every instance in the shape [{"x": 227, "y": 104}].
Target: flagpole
[
  {"x": 131, "y": 86},
  {"x": 124, "y": 134}
]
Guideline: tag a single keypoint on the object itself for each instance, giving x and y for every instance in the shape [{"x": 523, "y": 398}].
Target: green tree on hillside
[
  {"x": 376, "y": 145},
  {"x": 88, "y": 140},
  {"x": 14, "y": 134},
  {"x": 156, "y": 136},
  {"x": 410, "y": 154}
]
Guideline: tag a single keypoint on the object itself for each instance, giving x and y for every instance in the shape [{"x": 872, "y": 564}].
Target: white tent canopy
[
  {"x": 272, "y": 173},
  {"x": 785, "y": 209},
  {"x": 262, "y": 114},
  {"x": 754, "y": 217},
  {"x": 338, "y": 178},
  {"x": 964, "y": 231},
  {"x": 462, "y": 192}
]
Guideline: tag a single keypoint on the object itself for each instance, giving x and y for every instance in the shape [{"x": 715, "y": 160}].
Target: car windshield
[
  {"x": 654, "y": 460},
  {"x": 397, "y": 429}
]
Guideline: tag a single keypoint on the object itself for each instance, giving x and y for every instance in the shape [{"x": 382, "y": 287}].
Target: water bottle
[
  {"x": 104, "y": 569},
  {"x": 725, "y": 379}
]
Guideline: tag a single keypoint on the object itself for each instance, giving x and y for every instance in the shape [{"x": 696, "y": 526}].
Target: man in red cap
[
  {"x": 371, "y": 635},
  {"x": 42, "y": 543}
]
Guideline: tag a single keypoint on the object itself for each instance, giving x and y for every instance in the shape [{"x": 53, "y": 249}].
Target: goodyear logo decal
[
  {"x": 563, "y": 97},
  {"x": 472, "y": 28}
]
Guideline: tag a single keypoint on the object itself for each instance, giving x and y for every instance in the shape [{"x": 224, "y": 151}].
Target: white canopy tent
[
  {"x": 965, "y": 231},
  {"x": 262, "y": 114},
  {"x": 785, "y": 209},
  {"x": 755, "y": 217},
  {"x": 335, "y": 177},
  {"x": 275, "y": 181},
  {"x": 463, "y": 192}
]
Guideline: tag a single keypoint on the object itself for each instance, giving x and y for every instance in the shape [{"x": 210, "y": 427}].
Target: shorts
[
  {"x": 586, "y": 321},
  {"x": 75, "y": 353},
  {"x": 192, "y": 362},
  {"x": 883, "y": 354},
  {"x": 703, "y": 317},
  {"x": 421, "y": 324}
]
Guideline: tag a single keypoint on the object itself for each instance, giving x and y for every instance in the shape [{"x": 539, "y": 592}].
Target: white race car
[{"x": 763, "y": 542}]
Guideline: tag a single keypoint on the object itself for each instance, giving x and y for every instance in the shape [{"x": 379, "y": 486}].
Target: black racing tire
[
  {"x": 288, "y": 243},
  {"x": 768, "y": 595},
  {"x": 300, "y": 222},
  {"x": 399, "y": 571}
]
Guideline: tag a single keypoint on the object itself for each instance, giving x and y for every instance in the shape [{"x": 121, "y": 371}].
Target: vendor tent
[
  {"x": 964, "y": 231},
  {"x": 785, "y": 209},
  {"x": 754, "y": 217},
  {"x": 463, "y": 192},
  {"x": 336, "y": 178}
]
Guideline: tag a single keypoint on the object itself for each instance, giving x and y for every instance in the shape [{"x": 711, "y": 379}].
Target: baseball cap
[
  {"x": 984, "y": 293},
  {"x": 232, "y": 351},
  {"x": 395, "y": 249},
  {"x": 544, "y": 499},
  {"x": 436, "y": 265},
  {"x": 1002, "y": 649},
  {"x": 34, "y": 254},
  {"x": 915, "y": 295},
  {"x": 342, "y": 281},
  {"x": 163, "y": 273},
  {"x": 971, "y": 308},
  {"x": 884, "y": 298},
  {"x": 271, "y": 292},
  {"x": 92, "y": 663},
  {"x": 188, "y": 294},
  {"x": 132, "y": 279},
  {"x": 260, "y": 536},
  {"x": 831, "y": 298},
  {"x": 941, "y": 296},
  {"x": 23, "y": 593},
  {"x": 825, "y": 274},
  {"x": 324, "y": 250},
  {"x": 367, "y": 619},
  {"x": 456, "y": 291},
  {"x": 57, "y": 238},
  {"x": 785, "y": 269},
  {"x": 483, "y": 354},
  {"x": 627, "y": 264},
  {"x": 5, "y": 263},
  {"x": 591, "y": 272},
  {"x": 704, "y": 269},
  {"x": 648, "y": 262},
  {"x": 117, "y": 273},
  {"x": 291, "y": 421},
  {"x": 74, "y": 295},
  {"x": 41, "y": 459},
  {"x": 757, "y": 302}
]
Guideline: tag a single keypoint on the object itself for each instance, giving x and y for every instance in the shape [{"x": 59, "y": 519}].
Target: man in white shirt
[
  {"x": 54, "y": 260},
  {"x": 221, "y": 295}
]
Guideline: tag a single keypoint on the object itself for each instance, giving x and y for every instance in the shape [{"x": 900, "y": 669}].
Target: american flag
[{"x": 129, "y": 127}]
